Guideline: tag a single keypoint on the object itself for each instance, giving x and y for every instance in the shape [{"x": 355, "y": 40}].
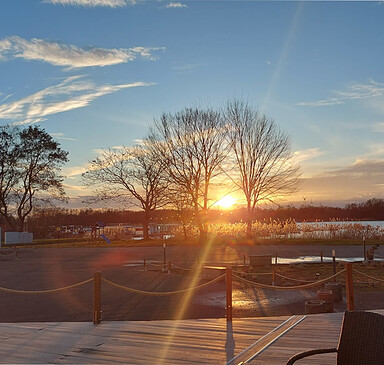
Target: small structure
[
  {"x": 260, "y": 261},
  {"x": 12, "y": 238}
]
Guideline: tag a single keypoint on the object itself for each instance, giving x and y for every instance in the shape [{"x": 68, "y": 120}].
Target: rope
[
  {"x": 181, "y": 268},
  {"x": 251, "y": 273},
  {"x": 161, "y": 293},
  {"x": 6, "y": 290},
  {"x": 292, "y": 279},
  {"x": 153, "y": 264},
  {"x": 368, "y": 276},
  {"x": 304, "y": 286}
]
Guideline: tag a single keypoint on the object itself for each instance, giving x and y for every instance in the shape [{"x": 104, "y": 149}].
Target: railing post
[
  {"x": 97, "y": 298},
  {"x": 228, "y": 281},
  {"x": 169, "y": 267},
  {"x": 321, "y": 257},
  {"x": 276, "y": 258},
  {"x": 273, "y": 278},
  {"x": 349, "y": 287}
]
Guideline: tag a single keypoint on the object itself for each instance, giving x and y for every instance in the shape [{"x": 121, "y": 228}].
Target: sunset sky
[{"x": 94, "y": 74}]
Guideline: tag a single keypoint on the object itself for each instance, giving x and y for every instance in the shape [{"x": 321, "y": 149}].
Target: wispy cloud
[
  {"x": 307, "y": 154},
  {"x": 176, "y": 5},
  {"x": 5, "y": 45},
  {"x": 71, "y": 172},
  {"x": 139, "y": 142},
  {"x": 5, "y": 97},
  {"x": 362, "y": 179},
  {"x": 71, "y": 56},
  {"x": 92, "y": 3},
  {"x": 76, "y": 188},
  {"x": 71, "y": 93},
  {"x": 355, "y": 91},
  {"x": 61, "y": 136}
]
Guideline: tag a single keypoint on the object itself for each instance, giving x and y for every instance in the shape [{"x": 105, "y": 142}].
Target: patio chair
[{"x": 361, "y": 341}]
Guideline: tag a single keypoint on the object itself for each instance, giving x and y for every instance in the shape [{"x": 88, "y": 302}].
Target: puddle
[{"x": 316, "y": 259}]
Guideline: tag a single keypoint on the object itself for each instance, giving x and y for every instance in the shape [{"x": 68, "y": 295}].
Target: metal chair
[{"x": 361, "y": 341}]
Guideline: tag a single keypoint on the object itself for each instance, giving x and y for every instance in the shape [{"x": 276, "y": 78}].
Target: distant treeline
[{"x": 42, "y": 221}]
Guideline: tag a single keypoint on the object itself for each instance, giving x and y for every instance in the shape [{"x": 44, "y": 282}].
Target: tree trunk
[
  {"x": 146, "y": 226},
  {"x": 21, "y": 226},
  {"x": 185, "y": 231},
  {"x": 249, "y": 221},
  {"x": 201, "y": 222}
]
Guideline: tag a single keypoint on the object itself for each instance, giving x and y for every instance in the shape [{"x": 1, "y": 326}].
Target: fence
[{"x": 229, "y": 277}]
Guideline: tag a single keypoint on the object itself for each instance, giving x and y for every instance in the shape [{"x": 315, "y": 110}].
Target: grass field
[{"x": 83, "y": 242}]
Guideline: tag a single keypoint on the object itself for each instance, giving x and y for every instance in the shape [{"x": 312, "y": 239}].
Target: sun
[{"x": 226, "y": 202}]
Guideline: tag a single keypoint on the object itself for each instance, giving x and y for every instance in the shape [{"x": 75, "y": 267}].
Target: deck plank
[
  {"x": 200, "y": 341},
  {"x": 316, "y": 331},
  {"x": 171, "y": 342}
]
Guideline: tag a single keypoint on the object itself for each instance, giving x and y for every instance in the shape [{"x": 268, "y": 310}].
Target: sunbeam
[
  {"x": 282, "y": 58},
  {"x": 186, "y": 300}
]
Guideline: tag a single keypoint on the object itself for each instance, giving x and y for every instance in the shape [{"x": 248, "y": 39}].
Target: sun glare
[{"x": 227, "y": 202}]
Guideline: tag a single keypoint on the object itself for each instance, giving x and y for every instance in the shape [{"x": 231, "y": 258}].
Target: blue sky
[{"x": 94, "y": 73}]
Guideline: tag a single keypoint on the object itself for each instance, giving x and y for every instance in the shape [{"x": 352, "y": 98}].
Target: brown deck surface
[{"x": 201, "y": 341}]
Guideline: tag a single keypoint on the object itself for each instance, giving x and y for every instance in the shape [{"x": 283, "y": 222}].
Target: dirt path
[{"x": 38, "y": 269}]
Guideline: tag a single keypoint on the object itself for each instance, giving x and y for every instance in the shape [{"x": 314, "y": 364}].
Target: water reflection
[{"x": 317, "y": 259}]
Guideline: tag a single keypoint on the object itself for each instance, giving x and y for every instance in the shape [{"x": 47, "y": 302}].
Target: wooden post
[
  {"x": 321, "y": 257},
  {"x": 334, "y": 264},
  {"x": 228, "y": 281},
  {"x": 244, "y": 259},
  {"x": 349, "y": 287},
  {"x": 273, "y": 278},
  {"x": 97, "y": 298},
  {"x": 276, "y": 258},
  {"x": 169, "y": 267}
]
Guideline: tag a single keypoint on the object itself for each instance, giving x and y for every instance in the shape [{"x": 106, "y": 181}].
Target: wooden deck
[{"x": 202, "y": 341}]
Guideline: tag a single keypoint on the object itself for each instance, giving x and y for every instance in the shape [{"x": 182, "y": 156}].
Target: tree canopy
[{"x": 30, "y": 164}]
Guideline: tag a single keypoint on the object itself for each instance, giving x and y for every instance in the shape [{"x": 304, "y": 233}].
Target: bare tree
[
  {"x": 264, "y": 165},
  {"x": 183, "y": 205},
  {"x": 30, "y": 162},
  {"x": 191, "y": 144},
  {"x": 9, "y": 174},
  {"x": 130, "y": 176}
]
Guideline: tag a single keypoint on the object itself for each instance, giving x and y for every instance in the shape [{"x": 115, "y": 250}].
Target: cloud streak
[
  {"x": 355, "y": 91},
  {"x": 360, "y": 180},
  {"x": 176, "y": 5},
  {"x": 71, "y": 56},
  {"x": 61, "y": 136},
  {"x": 92, "y": 3},
  {"x": 72, "y": 93},
  {"x": 307, "y": 154}
]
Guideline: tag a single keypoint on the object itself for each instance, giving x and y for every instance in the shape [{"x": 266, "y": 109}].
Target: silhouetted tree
[
  {"x": 132, "y": 176},
  {"x": 30, "y": 162},
  {"x": 264, "y": 167},
  {"x": 192, "y": 146}
]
